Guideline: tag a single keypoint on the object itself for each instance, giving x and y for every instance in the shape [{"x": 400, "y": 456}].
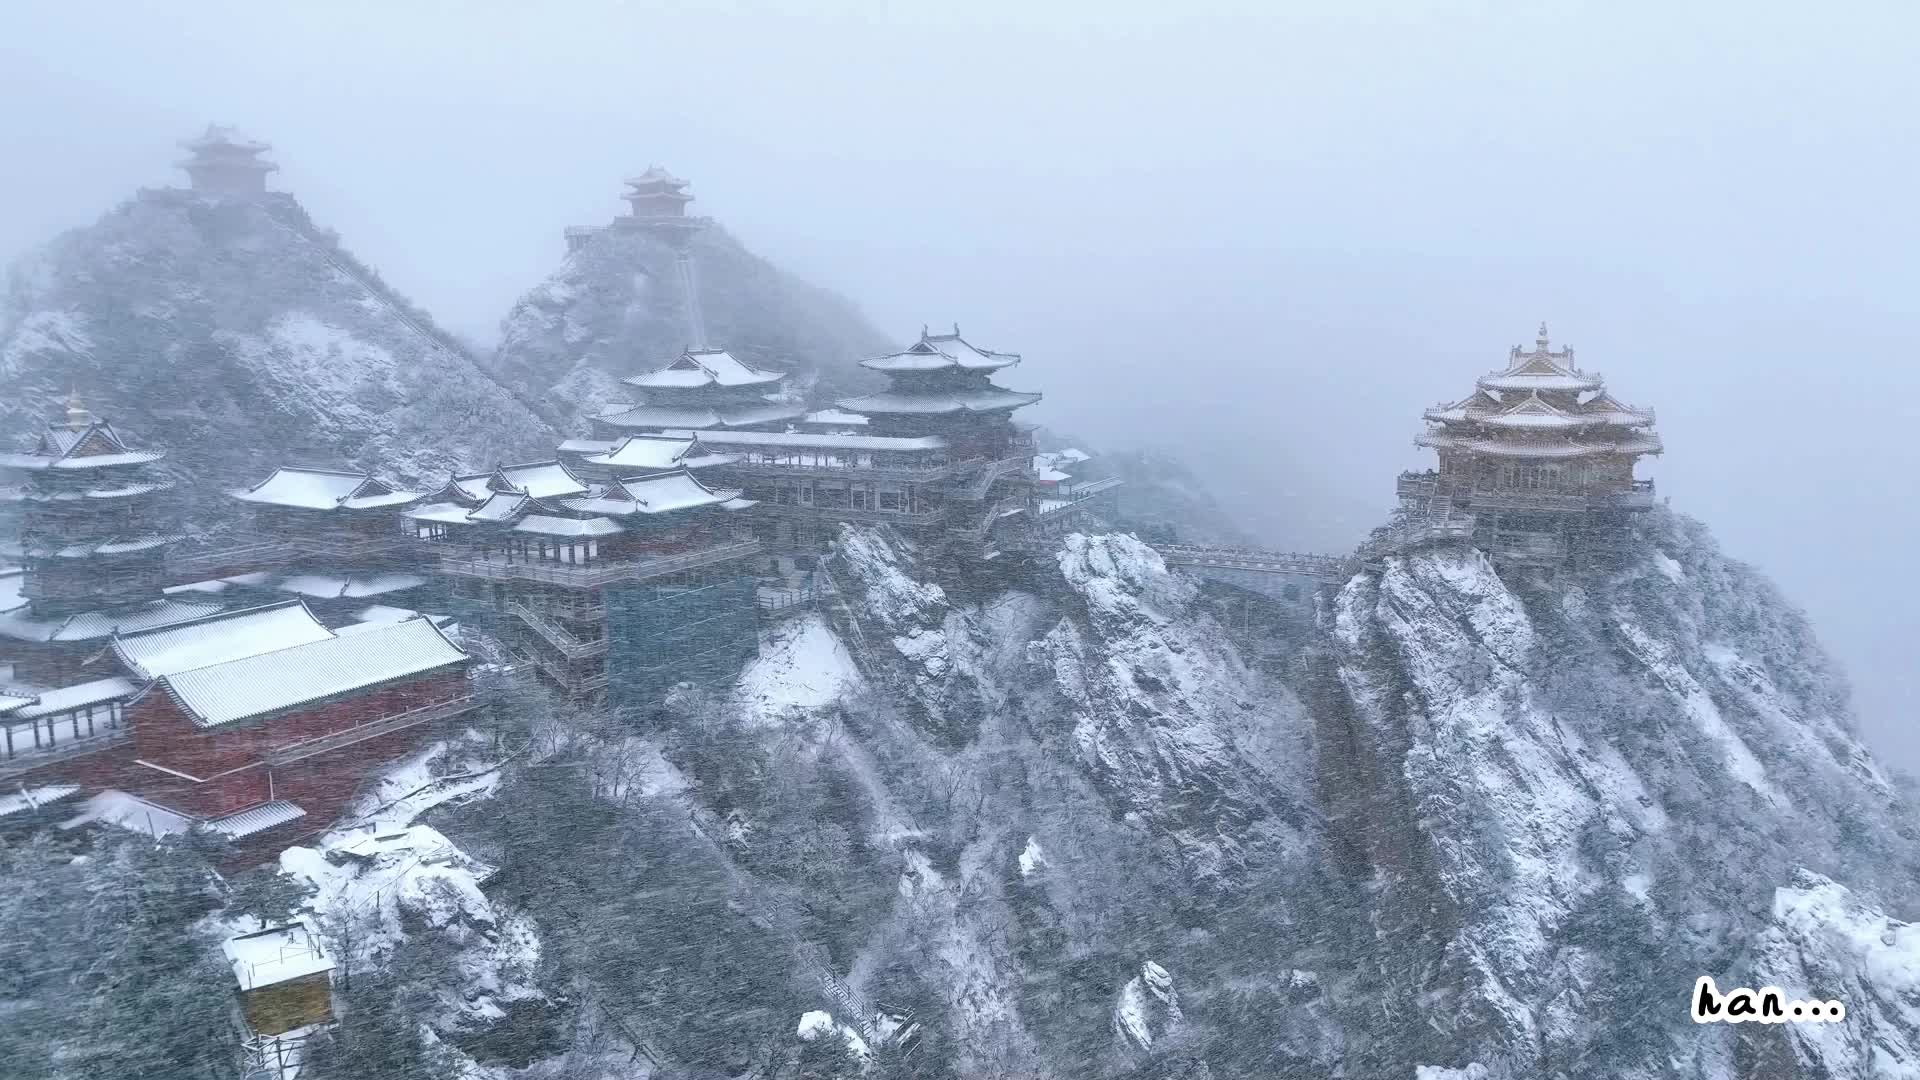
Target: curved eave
[
  {"x": 91, "y": 494},
  {"x": 107, "y": 548},
  {"x": 1442, "y": 440},
  {"x": 1526, "y": 383},
  {"x": 923, "y": 362},
  {"x": 897, "y": 404},
  {"x": 1537, "y": 421},
  {"x": 659, "y": 380},
  {"x": 38, "y": 462}
]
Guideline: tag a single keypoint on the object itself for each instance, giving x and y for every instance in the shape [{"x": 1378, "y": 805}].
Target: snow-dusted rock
[
  {"x": 235, "y": 332},
  {"x": 1148, "y": 1007},
  {"x": 1157, "y": 703},
  {"x": 802, "y": 665},
  {"x": 614, "y": 307},
  {"x": 1572, "y": 790},
  {"x": 1828, "y": 943}
]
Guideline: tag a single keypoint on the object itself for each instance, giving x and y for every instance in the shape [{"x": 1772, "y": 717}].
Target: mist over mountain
[
  {"x": 906, "y": 744},
  {"x": 616, "y": 306},
  {"x": 237, "y": 334}
]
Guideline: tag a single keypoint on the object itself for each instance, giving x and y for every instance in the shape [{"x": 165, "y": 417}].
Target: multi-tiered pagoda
[
  {"x": 943, "y": 385},
  {"x": 1535, "y": 466},
  {"x": 227, "y": 163},
  {"x": 699, "y": 390},
  {"x": 90, "y": 536},
  {"x": 657, "y": 197}
]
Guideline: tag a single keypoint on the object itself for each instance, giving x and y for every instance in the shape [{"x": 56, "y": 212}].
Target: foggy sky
[{"x": 1265, "y": 240}]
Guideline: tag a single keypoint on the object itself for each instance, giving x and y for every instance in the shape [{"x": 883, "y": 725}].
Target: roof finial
[
  {"x": 923, "y": 331},
  {"x": 1541, "y": 341},
  {"x": 956, "y": 329},
  {"x": 78, "y": 418}
]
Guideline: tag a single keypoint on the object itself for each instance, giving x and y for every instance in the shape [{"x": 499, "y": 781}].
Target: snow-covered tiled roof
[
  {"x": 288, "y": 678},
  {"x": 500, "y": 507},
  {"x": 445, "y": 512},
  {"x": 327, "y": 586},
  {"x": 224, "y": 137},
  {"x": 942, "y": 352},
  {"x": 900, "y": 402},
  {"x": 658, "y": 417},
  {"x": 655, "y": 176},
  {"x": 1517, "y": 448},
  {"x": 254, "y": 820},
  {"x": 638, "y": 453},
  {"x": 217, "y": 638},
  {"x": 129, "y": 812},
  {"x": 325, "y": 489},
  {"x": 708, "y": 367},
  {"x": 814, "y": 440},
  {"x": 278, "y": 955},
  {"x": 660, "y": 493},
  {"x": 836, "y": 418},
  {"x": 540, "y": 479},
  {"x": 547, "y": 525},
  {"x": 20, "y": 625},
  {"x": 34, "y": 798},
  {"x": 116, "y": 491},
  {"x": 78, "y": 696},
  {"x": 85, "y": 444},
  {"x": 119, "y": 545},
  {"x": 471, "y": 488}
]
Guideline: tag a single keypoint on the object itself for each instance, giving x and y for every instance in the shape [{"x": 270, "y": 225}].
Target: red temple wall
[{"x": 165, "y": 736}]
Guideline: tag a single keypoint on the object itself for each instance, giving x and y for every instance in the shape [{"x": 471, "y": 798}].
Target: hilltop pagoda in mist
[
  {"x": 227, "y": 163},
  {"x": 1536, "y": 466}
]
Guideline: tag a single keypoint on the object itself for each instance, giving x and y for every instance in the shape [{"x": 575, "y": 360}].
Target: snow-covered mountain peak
[{"x": 235, "y": 331}]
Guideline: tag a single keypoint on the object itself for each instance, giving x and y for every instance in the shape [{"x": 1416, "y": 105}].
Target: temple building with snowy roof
[
  {"x": 584, "y": 571},
  {"x": 1535, "y": 467},
  {"x": 700, "y": 390},
  {"x": 225, "y": 163}
]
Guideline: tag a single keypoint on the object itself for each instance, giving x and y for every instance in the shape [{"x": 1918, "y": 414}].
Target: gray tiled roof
[{"x": 289, "y": 678}]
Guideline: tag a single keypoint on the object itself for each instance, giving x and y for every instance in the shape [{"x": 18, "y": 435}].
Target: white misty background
[{"x": 1265, "y": 238}]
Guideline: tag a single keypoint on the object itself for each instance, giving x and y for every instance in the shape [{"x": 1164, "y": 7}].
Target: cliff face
[
  {"x": 616, "y": 306},
  {"x": 1486, "y": 825},
  {"x": 236, "y": 334},
  {"x": 1576, "y": 794},
  {"x": 1050, "y": 820}
]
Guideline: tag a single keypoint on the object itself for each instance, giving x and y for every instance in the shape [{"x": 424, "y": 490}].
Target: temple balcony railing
[
  {"x": 562, "y": 607},
  {"x": 601, "y": 572},
  {"x": 747, "y": 466},
  {"x": 574, "y": 648},
  {"x": 977, "y": 486},
  {"x": 1639, "y": 495},
  {"x": 373, "y": 729},
  {"x": 1284, "y": 562},
  {"x": 1409, "y": 531},
  {"x": 22, "y": 756},
  {"x": 845, "y": 513}
]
